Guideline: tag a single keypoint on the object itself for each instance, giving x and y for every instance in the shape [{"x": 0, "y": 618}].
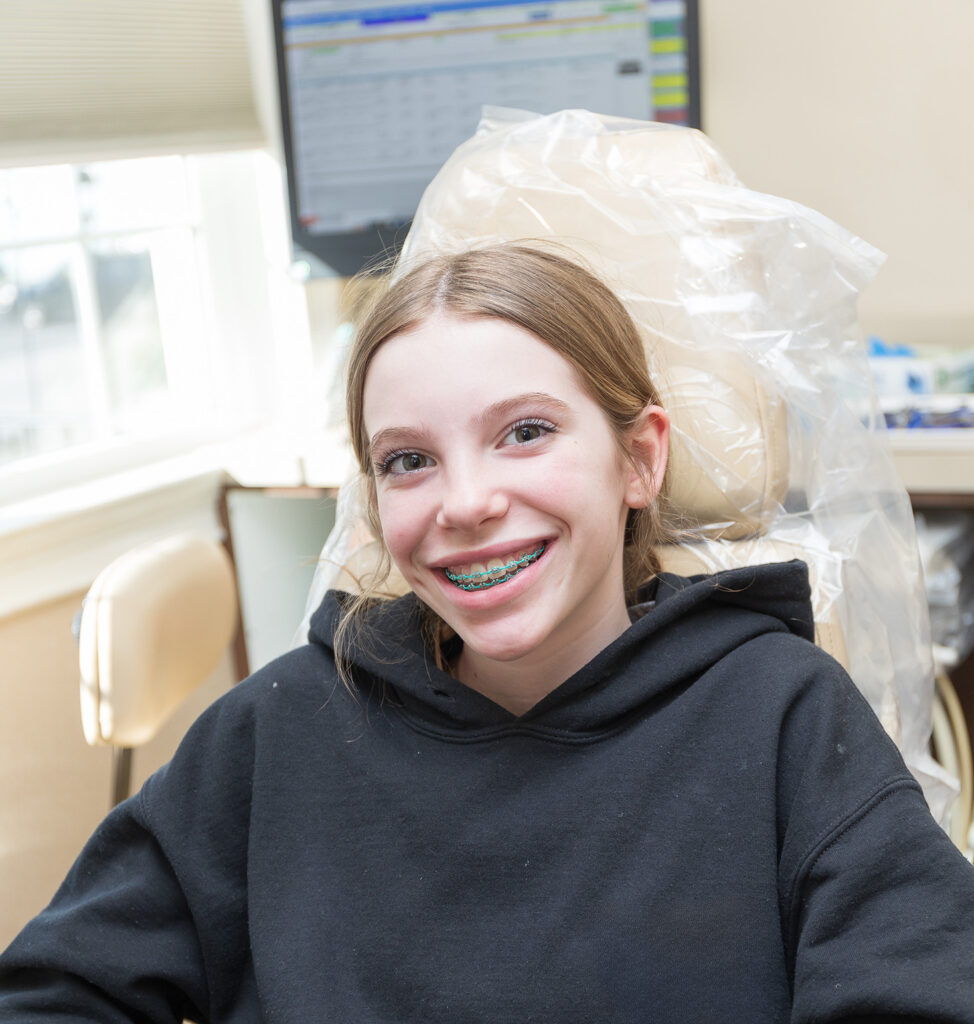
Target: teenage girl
[{"x": 549, "y": 784}]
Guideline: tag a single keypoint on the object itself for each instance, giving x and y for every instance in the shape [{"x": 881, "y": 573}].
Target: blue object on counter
[
  {"x": 878, "y": 347},
  {"x": 910, "y": 418}
]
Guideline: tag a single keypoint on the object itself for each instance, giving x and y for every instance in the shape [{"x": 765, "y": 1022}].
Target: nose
[{"x": 470, "y": 498}]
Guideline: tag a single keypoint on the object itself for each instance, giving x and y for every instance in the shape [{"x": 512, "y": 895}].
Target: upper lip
[{"x": 492, "y": 551}]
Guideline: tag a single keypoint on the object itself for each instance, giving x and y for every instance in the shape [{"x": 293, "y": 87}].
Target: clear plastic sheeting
[
  {"x": 748, "y": 307},
  {"x": 946, "y": 541}
]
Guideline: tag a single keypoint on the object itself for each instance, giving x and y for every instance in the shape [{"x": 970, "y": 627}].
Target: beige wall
[
  {"x": 860, "y": 109},
  {"x": 54, "y": 789}
]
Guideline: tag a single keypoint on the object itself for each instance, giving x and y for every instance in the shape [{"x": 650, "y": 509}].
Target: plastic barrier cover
[{"x": 747, "y": 304}]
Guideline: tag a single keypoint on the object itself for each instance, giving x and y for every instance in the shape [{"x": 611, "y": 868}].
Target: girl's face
[{"x": 502, "y": 492}]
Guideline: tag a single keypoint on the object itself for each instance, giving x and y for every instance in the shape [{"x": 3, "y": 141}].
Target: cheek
[
  {"x": 401, "y": 521},
  {"x": 583, "y": 479}
]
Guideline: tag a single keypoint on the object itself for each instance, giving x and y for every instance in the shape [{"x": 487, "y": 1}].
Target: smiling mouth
[{"x": 479, "y": 576}]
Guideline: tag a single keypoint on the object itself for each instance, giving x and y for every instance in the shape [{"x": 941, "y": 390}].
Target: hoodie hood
[{"x": 651, "y": 660}]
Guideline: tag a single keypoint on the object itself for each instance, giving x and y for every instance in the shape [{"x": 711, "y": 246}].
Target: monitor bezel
[{"x": 345, "y": 253}]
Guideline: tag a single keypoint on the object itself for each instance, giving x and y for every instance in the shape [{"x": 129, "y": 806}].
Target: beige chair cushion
[{"x": 155, "y": 624}]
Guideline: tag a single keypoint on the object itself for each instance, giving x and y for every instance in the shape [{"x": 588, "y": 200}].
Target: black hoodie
[{"x": 705, "y": 823}]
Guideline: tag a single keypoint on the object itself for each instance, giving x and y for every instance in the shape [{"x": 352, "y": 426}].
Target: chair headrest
[{"x": 604, "y": 189}]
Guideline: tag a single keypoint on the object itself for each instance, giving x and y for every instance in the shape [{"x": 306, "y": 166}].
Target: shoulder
[
  {"x": 855, "y": 835},
  {"x": 299, "y": 682},
  {"x": 838, "y": 772},
  {"x": 831, "y": 756},
  {"x": 810, "y": 692},
  {"x": 785, "y": 683},
  {"x": 294, "y": 702},
  {"x": 827, "y": 730},
  {"x": 301, "y": 676}
]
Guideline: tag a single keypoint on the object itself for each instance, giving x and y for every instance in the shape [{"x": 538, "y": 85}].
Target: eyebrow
[
  {"x": 510, "y": 406},
  {"x": 505, "y": 407}
]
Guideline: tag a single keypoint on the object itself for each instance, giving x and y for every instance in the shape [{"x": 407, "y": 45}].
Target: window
[{"x": 100, "y": 301}]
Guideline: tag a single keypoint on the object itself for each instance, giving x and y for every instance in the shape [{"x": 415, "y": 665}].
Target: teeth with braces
[{"x": 477, "y": 580}]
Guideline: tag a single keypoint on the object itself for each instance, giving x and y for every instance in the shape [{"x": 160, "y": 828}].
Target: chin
[{"x": 502, "y": 646}]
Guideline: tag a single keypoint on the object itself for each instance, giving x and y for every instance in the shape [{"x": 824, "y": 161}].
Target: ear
[{"x": 649, "y": 447}]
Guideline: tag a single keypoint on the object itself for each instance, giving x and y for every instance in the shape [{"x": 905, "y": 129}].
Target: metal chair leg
[{"x": 121, "y": 773}]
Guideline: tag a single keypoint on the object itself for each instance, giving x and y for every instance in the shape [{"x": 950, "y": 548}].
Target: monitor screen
[{"x": 376, "y": 94}]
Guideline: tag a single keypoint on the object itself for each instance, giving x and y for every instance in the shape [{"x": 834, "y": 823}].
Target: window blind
[{"x": 93, "y": 79}]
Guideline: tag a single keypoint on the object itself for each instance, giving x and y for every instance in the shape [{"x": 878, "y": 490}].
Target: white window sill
[{"x": 54, "y": 544}]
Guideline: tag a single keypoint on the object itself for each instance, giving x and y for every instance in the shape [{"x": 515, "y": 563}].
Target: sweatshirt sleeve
[
  {"x": 150, "y": 923},
  {"x": 117, "y": 942},
  {"x": 877, "y": 902},
  {"x": 885, "y": 919}
]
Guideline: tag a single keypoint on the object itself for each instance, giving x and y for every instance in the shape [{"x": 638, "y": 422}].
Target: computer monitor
[{"x": 376, "y": 94}]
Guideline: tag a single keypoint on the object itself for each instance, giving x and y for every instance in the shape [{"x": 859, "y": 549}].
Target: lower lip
[{"x": 500, "y": 592}]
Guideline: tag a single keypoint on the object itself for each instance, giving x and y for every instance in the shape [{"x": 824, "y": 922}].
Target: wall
[
  {"x": 860, "y": 109},
  {"x": 54, "y": 789}
]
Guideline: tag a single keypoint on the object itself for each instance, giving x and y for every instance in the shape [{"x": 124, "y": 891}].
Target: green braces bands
[{"x": 510, "y": 571}]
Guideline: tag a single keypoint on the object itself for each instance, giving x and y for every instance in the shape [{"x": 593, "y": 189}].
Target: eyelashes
[
  {"x": 411, "y": 461},
  {"x": 405, "y": 461},
  {"x": 529, "y": 429}
]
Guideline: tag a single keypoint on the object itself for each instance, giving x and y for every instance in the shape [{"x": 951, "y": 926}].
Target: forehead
[{"x": 449, "y": 360}]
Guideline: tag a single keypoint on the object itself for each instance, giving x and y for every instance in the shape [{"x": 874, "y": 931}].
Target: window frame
[
  {"x": 65, "y": 514},
  {"x": 243, "y": 364}
]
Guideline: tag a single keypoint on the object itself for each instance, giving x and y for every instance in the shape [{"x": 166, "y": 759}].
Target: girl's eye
[
  {"x": 399, "y": 463},
  {"x": 528, "y": 430}
]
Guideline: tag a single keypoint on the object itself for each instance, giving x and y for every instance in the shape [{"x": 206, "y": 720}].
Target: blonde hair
[{"x": 559, "y": 302}]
